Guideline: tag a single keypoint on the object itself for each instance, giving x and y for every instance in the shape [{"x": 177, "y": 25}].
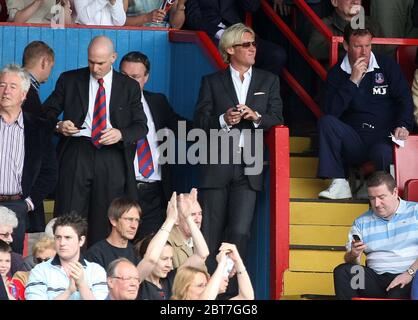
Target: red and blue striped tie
[
  {"x": 99, "y": 115},
  {"x": 145, "y": 165}
]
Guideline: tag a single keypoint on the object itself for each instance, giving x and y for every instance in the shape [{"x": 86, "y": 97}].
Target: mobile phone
[
  {"x": 80, "y": 128},
  {"x": 228, "y": 266},
  {"x": 356, "y": 238}
]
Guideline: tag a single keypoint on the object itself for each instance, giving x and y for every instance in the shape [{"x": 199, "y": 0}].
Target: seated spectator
[
  {"x": 42, "y": 250},
  {"x": 8, "y": 222},
  {"x": 214, "y": 17},
  {"x": 367, "y": 99},
  {"x": 186, "y": 238},
  {"x": 195, "y": 284},
  {"x": 15, "y": 289},
  {"x": 391, "y": 257},
  {"x": 159, "y": 281},
  {"x": 100, "y": 12},
  {"x": 68, "y": 276},
  {"x": 122, "y": 280},
  {"x": 156, "y": 266},
  {"x": 124, "y": 216},
  {"x": 149, "y": 13},
  {"x": 345, "y": 12},
  {"x": 35, "y": 11}
]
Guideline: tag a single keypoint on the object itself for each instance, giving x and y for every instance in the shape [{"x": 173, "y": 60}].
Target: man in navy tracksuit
[{"x": 367, "y": 99}]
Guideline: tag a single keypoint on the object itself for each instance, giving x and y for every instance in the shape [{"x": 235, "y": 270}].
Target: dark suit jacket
[
  {"x": 71, "y": 96},
  {"x": 39, "y": 168},
  {"x": 216, "y": 96},
  {"x": 164, "y": 116},
  {"x": 205, "y": 15},
  {"x": 32, "y": 102}
]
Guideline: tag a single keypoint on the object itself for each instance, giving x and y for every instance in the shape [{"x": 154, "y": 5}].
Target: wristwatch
[{"x": 411, "y": 272}]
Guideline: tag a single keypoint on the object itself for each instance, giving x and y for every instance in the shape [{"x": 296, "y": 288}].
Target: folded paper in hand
[
  {"x": 399, "y": 142},
  {"x": 166, "y": 5}
]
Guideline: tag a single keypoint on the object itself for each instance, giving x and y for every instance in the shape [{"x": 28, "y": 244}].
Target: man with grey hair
[
  {"x": 102, "y": 121},
  {"x": 28, "y": 170},
  {"x": 232, "y": 100},
  {"x": 8, "y": 222},
  {"x": 122, "y": 280}
]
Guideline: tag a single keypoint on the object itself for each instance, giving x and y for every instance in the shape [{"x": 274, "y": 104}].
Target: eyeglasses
[
  {"x": 6, "y": 235},
  {"x": 131, "y": 220},
  {"x": 246, "y": 44},
  {"x": 136, "y": 279},
  {"x": 40, "y": 260}
]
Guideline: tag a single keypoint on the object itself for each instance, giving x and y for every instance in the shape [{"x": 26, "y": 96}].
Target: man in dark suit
[
  {"x": 214, "y": 16},
  {"x": 28, "y": 171},
  {"x": 102, "y": 120},
  {"x": 155, "y": 190},
  {"x": 238, "y": 98},
  {"x": 38, "y": 60}
]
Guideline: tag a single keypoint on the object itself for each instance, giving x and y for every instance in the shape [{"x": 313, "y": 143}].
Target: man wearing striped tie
[
  {"x": 102, "y": 121},
  {"x": 153, "y": 180}
]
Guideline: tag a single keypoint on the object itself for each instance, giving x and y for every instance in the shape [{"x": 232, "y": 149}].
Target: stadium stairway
[{"x": 318, "y": 228}]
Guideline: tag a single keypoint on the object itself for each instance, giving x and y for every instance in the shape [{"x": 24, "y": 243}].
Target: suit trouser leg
[
  {"x": 270, "y": 56},
  {"x": 214, "y": 205},
  {"x": 75, "y": 175},
  {"x": 374, "y": 284},
  {"x": 153, "y": 206},
  {"x": 20, "y": 208},
  {"x": 339, "y": 144},
  {"x": 108, "y": 183}
]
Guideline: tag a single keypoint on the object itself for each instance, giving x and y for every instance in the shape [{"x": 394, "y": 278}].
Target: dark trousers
[
  {"x": 89, "y": 179},
  {"x": 227, "y": 215},
  {"x": 374, "y": 284},
  {"x": 20, "y": 208},
  {"x": 340, "y": 145},
  {"x": 153, "y": 206}
]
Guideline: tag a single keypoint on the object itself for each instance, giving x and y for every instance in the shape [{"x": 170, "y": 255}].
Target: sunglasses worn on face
[
  {"x": 40, "y": 260},
  {"x": 246, "y": 44}
]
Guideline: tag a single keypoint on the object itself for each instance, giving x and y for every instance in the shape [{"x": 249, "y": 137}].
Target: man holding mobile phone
[{"x": 387, "y": 235}]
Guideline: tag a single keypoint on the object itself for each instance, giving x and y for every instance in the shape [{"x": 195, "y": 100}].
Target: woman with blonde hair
[
  {"x": 192, "y": 283},
  {"x": 189, "y": 283}
]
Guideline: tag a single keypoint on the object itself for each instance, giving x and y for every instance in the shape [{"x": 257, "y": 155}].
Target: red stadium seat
[
  {"x": 406, "y": 59},
  {"x": 411, "y": 190},
  {"x": 405, "y": 161}
]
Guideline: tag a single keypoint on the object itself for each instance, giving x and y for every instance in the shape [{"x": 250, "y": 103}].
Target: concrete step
[
  {"x": 304, "y": 235},
  {"x": 303, "y": 167},
  {"x": 307, "y": 188},
  {"x": 301, "y": 283},
  {"x": 325, "y": 213},
  {"x": 299, "y": 144},
  {"x": 315, "y": 260}
]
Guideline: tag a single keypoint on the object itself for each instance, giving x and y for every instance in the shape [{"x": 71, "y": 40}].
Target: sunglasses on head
[{"x": 246, "y": 44}]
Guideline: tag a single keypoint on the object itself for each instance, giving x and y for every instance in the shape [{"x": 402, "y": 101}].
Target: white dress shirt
[
  {"x": 153, "y": 143},
  {"x": 93, "y": 87}
]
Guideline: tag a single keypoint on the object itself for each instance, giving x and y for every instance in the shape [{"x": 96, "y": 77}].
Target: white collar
[{"x": 345, "y": 64}]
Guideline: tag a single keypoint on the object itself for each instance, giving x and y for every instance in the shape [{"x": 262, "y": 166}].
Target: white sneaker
[{"x": 339, "y": 189}]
